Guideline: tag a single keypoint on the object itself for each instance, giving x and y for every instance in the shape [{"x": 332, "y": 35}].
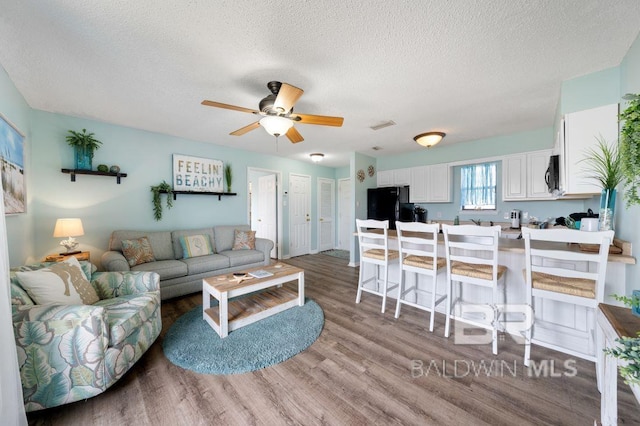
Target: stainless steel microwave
[{"x": 552, "y": 177}]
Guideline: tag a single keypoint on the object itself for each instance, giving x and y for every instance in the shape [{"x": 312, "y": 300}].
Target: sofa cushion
[
  {"x": 126, "y": 314},
  {"x": 160, "y": 242},
  {"x": 200, "y": 264},
  {"x": 195, "y": 245},
  {"x": 167, "y": 269},
  {"x": 243, "y": 257},
  {"x": 224, "y": 236},
  {"x": 137, "y": 251},
  {"x": 177, "y": 235},
  {"x": 63, "y": 283},
  {"x": 244, "y": 240}
]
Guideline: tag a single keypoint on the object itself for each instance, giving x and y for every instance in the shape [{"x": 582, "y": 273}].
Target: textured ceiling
[{"x": 470, "y": 68}]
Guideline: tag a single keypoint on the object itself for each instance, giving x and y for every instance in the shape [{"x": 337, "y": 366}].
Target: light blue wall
[
  {"x": 19, "y": 226},
  {"x": 147, "y": 159},
  {"x": 590, "y": 91},
  {"x": 627, "y": 220},
  {"x": 481, "y": 148},
  {"x": 359, "y": 190}
]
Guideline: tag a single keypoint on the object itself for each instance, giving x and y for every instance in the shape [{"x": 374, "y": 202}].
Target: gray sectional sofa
[{"x": 179, "y": 276}]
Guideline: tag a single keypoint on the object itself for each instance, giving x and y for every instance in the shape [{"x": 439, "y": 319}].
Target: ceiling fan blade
[
  {"x": 294, "y": 136},
  {"x": 246, "y": 129},
  {"x": 227, "y": 106},
  {"x": 323, "y": 120},
  {"x": 288, "y": 95}
]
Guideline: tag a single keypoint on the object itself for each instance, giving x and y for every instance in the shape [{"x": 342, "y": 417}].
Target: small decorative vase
[
  {"x": 83, "y": 157},
  {"x": 607, "y": 209},
  {"x": 635, "y": 294}
]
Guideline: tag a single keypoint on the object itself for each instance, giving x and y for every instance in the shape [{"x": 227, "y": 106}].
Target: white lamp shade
[
  {"x": 429, "y": 139},
  {"x": 275, "y": 125},
  {"x": 68, "y": 227}
]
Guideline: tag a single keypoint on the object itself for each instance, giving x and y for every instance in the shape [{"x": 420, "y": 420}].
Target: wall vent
[{"x": 383, "y": 125}]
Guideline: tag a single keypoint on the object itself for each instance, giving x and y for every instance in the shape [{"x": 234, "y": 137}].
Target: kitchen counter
[
  {"x": 566, "y": 324},
  {"x": 517, "y": 246}
]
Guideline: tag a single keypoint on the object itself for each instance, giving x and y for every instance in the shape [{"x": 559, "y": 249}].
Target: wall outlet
[
  {"x": 525, "y": 215},
  {"x": 506, "y": 216},
  {"x": 439, "y": 215}
]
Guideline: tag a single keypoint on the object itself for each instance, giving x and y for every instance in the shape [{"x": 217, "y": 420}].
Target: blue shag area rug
[{"x": 192, "y": 344}]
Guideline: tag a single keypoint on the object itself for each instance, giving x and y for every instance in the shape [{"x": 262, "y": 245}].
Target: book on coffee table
[{"x": 261, "y": 273}]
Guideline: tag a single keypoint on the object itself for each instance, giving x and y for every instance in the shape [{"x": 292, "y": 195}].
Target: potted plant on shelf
[
  {"x": 156, "y": 190},
  {"x": 84, "y": 145},
  {"x": 605, "y": 165},
  {"x": 630, "y": 148},
  {"x": 228, "y": 176}
]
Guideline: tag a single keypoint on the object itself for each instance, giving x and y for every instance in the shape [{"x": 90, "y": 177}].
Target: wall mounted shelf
[
  {"x": 219, "y": 194},
  {"x": 74, "y": 172}
]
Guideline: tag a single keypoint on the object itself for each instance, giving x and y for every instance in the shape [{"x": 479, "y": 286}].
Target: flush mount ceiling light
[
  {"x": 316, "y": 157},
  {"x": 275, "y": 125},
  {"x": 429, "y": 139}
]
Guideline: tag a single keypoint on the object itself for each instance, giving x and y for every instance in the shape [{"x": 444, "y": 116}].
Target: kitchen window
[{"x": 478, "y": 187}]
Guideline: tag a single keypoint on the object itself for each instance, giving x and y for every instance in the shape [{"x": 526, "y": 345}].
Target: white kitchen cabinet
[
  {"x": 439, "y": 184},
  {"x": 419, "y": 187},
  {"x": 402, "y": 177},
  {"x": 514, "y": 177},
  {"x": 581, "y": 132},
  {"x": 385, "y": 178},
  {"x": 523, "y": 176},
  {"x": 397, "y": 177},
  {"x": 430, "y": 184},
  {"x": 537, "y": 164}
]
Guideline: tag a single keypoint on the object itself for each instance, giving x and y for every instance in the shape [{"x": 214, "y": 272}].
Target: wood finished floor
[{"x": 359, "y": 371}]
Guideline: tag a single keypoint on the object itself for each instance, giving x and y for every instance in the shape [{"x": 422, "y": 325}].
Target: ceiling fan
[{"x": 277, "y": 113}]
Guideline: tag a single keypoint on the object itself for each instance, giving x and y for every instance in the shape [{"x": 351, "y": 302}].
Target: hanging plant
[
  {"x": 630, "y": 149},
  {"x": 164, "y": 187}
]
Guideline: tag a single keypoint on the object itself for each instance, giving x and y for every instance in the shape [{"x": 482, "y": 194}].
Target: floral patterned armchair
[{"x": 68, "y": 353}]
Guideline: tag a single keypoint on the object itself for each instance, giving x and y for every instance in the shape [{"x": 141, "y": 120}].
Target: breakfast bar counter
[{"x": 568, "y": 323}]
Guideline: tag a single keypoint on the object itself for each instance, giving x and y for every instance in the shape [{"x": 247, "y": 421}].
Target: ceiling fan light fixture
[
  {"x": 275, "y": 125},
  {"x": 429, "y": 139},
  {"x": 316, "y": 157}
]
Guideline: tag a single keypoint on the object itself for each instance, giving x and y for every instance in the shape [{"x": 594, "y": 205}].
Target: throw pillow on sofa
[
  {"x": 137, "y": 251},
  {"x": 244, "y": 240},
  {"x": 63, "y": 283},
  {"x": 195, "y": 245}
]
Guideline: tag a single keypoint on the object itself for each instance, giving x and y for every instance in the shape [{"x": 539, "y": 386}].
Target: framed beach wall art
[
  {"x": 12, "y": 167},
  {"x": 197, "y": 174}
]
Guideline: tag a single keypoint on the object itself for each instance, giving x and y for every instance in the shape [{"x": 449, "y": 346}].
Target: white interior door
[
  {"x": 266, "y": 211},
  {"x": 345, "y": 233},
  {"x": 299, "y": 214},
  {"x": 326, "y": 214}
]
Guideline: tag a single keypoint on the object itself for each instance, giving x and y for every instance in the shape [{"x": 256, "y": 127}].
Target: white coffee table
[{"x": 271, "y": 298}]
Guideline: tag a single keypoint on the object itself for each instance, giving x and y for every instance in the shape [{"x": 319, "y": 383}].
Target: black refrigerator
[{"x": 390, "y": 203}]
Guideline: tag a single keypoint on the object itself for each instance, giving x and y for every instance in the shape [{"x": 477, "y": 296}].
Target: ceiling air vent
[
  {"x": 383, "y": 125},
  {"x": 376, "y": 148}
]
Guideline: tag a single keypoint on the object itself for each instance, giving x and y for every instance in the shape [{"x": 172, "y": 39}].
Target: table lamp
[{"x": 69, "y": 227}]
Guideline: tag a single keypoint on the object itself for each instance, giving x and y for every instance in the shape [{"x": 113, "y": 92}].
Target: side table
[
  {"x": 613, "y": 322},
  {"x": 83, "y": 255}
]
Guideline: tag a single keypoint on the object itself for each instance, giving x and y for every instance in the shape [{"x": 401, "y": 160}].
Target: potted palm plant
[
  {"x": 84, "y": 144},
  {"x": 604, "y": 165}
]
